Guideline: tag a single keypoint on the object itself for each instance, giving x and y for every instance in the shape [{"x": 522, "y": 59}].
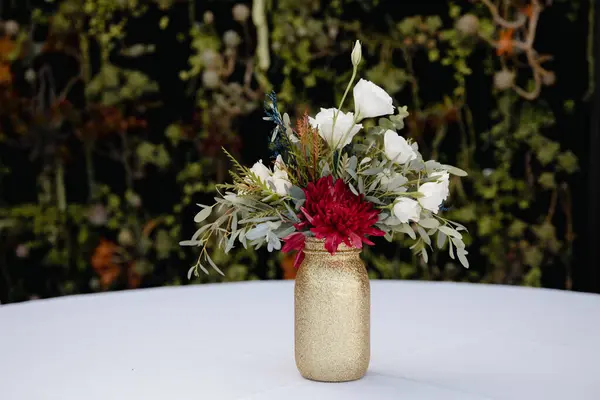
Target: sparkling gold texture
[{"x": 332, "y": 314}]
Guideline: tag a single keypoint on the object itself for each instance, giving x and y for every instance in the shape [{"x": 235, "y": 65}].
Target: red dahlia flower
[{"x": 332, "y": 212}]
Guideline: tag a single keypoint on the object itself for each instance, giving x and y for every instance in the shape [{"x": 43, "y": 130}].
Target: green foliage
[{"x": 107, "y": 238}]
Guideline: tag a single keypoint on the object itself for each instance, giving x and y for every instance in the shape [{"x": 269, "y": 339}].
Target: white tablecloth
[{"x": 235, "y": 341}]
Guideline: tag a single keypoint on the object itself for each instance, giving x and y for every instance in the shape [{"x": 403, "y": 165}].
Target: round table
[{"x": 235, "y": 341}]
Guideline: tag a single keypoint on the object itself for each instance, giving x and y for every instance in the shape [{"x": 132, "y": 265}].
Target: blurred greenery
[{"x": 113, "y": 114}]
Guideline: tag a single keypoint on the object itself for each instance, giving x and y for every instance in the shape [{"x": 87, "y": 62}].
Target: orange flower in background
[
  {"x": 5, "y": 75},
  {"x": 528, "y": 11},
  {"x": 104, "y": 263},
  {"x": 133, "y": 278},
  {"x": 505, "y": 43},
  {"x": 287, "y": 265},
  {"x": 7, "y": 46}
]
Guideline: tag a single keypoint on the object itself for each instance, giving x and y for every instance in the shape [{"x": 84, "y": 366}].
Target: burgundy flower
[
  {"x": 295, "y": 241},
  {"x": 332, "y": 212}
]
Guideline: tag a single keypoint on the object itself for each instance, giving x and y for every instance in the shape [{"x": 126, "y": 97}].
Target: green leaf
[
  {"x": 372, "y": 171},
  {"x": 454, "y": 170},
  {"x": 547, "y": 180},
  {"x": 386, "y": 124},
  {"x": 191, "y": 271},
  {"x": 567, "y": 161},
  {"x": 461, "y": 257},
  {"x": 547, "y": 152},
  {"x": 234, "y": 222},
  {"x": 164, "y": 22},
  {"x": 212, "y": 264},
  {"x": 406, "y": 228},
  {"x": 430, "y": 223},
  {"x": 450, "y": 232},
  {"x": 424, "y": 235},
  {"x": 202, "y": 215},
  {"x": 374, "y": 200},
  {"x": 441, "y": 239}
]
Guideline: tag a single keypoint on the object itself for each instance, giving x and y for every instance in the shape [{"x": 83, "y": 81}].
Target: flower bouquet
[
  {"x": 333, "y": 180},
  {"x": 333, "y": 185}
]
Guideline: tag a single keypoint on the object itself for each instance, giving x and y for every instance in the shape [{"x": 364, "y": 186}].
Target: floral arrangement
[{"x": 335, "y": 180}]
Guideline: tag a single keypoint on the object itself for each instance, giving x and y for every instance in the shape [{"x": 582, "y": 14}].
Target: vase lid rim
[{"x": 314, "y": 245}]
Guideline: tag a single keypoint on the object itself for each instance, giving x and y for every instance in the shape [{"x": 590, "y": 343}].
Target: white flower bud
[
  {"x": 549, "y": 78},
  {"x": 468, "y": 24},
  {"x": 356, "y": 53},
  {"x": 240, "y": 12},
  {"x": 231, "y": 39},
  {"x": 504, "y": 79},
  {"x": 210, "y": 79},
  {"x": 30, "y": 75},
  {"x": 11, "y": 28},
  {"x": 208, "y": 17},
  {"x": 125, "y": 238},
  {"x": 211, "y": 59},
  {"x": 22, "y": 251}
]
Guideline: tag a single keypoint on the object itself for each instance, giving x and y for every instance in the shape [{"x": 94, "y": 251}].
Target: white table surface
[{"x": 235, "y": 341}]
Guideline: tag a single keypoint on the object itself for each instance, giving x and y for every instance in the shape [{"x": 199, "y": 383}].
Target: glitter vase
[{"x": 332, "y": 314}]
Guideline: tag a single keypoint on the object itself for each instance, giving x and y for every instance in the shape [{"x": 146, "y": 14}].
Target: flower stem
[
  {"x": 89, "y": 166},
  {"x": 335, "y": 115}
]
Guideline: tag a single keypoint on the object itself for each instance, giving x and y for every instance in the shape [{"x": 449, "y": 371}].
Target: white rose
[
  {"x": 261, "y": 171},
  {"x": 405, "y": 209},
  {"x": 342, "y": 133},
  {"x": 434, "y": 193},
  {"x": 397, "y": 148},
  {"x": 371, "y": 101},
  {"x": 280, "y": 179}
]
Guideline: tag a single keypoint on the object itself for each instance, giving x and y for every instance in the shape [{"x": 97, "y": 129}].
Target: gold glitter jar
[{"x": 332, "y": 314}]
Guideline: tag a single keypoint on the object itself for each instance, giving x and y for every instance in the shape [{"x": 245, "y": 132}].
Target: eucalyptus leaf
[
  {"x": 352, "y": 163},
  {"x": 450, "y": 232},
  {"x": 424, "y": 235},
  {"x": 234, "y": 221},
  {"x": 454, "y": 170},
  {"x": 393, "y": 221},
  {"x": 242, "y": 238},
  {"x": 259, "y": 220},
  {"x": 372, "y": 171},
  {"x": 373, "y": 185},
  {"x": 231, "y": 241},
  {"x": 374, "y": 200},
  {"x": 361, "y": 185},
  {"x": 441, "y": 239},
  {"x": 189, "y": 243},
  {"x": 297, "y": 193},
  {"x": 430, "y": 223},
  {"x": 352, "y": 189},
  {"x": 386, "y": 124},
  {"x": 461, "y": 253},
  {"x": 191, "y": 271},
  {"x": 406, "y": 228},
  {"x": 212, "y": 264},
  {"x": 458, "y": 243},
  {"x": 202, "y": 215},
  {"x": 201, "y": 231}
]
